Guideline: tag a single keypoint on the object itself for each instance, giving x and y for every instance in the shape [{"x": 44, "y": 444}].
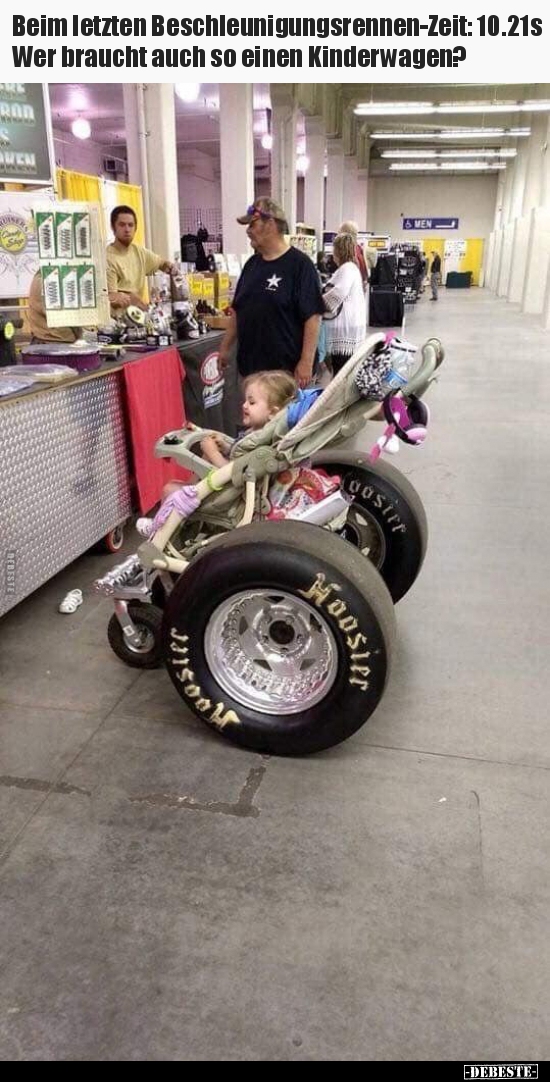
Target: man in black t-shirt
[{"x": 277, "y": 304}]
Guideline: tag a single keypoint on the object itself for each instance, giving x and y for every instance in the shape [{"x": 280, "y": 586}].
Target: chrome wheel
[
  {"x": 146, "y": 640},
  {"x": 271, "y": 651}
]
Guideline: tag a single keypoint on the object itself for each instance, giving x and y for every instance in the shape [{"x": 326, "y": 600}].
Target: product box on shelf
[
  {"x": 195, "y": 285},
  {"x": 159, "y": 341},
  {"x": 221, "y": 290},
  {"x": 208, "y": 288},
  {"x": 217, "y": 323}
]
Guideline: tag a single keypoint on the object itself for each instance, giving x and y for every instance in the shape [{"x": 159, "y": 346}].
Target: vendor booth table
[
  {"x": 211, "y": 400},
  {"x": 76, "y": 458}
]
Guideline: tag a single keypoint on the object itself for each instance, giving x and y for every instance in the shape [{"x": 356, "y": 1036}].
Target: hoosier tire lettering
[
  {"x": 319, "y": 593},
  {"x": 215, "y": 713}
]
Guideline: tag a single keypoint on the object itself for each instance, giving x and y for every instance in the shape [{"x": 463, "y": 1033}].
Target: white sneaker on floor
[
  {"x": 392, "y": 445},
  {"x": 144, "y": 526}
]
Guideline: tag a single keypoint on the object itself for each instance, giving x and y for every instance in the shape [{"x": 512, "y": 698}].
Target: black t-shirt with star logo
[{"x": 273, "y": 300}]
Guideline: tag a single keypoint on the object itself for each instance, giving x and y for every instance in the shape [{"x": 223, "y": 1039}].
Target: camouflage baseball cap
[{"x": 263, "y": 208}]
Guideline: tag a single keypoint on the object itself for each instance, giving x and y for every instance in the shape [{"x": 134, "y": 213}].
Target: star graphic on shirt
[{"x": 273, "y": 282}]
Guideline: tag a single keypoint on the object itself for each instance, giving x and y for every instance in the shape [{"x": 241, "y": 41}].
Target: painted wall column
[
  {"x": 131, "y": 132},
  {"x": 349, "y": 195},
  {"x": 135, "y": 126},
  {"x": 160, "y": 116},
  {"x": 284, "y": 115},
  {"x": 499, "y": 204},
  {"x": 361, "y": 190},
  {"x": 519, "y": 179},
  {"x": 335, "y": 184},
  {"x": 536, "y": 144},
  {"x": 314, "y": 195},
  {"x": 237, "y": 162}
]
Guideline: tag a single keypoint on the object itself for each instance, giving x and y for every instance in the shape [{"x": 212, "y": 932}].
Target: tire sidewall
[
  {"x": 345, "y": 611},
  {"x": 404, "y": 535}
]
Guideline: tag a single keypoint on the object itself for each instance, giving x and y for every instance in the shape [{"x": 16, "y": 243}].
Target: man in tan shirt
[
  {"x": 37, "y": 318},
  {"x": 129, "y": 264}
]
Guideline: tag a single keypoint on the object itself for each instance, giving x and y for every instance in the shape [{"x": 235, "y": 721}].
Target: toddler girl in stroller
[{"x": 265, "y": 395}]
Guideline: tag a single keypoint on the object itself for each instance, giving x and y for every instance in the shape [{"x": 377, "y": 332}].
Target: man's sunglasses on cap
[{"x": 253, "y": 213}]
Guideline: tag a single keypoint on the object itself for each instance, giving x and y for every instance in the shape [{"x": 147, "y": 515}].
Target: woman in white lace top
[{"x": 346, "y": 313}]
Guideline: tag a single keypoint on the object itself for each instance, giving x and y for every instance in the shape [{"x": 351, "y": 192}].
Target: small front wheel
[{"x": 147, "y": 620}]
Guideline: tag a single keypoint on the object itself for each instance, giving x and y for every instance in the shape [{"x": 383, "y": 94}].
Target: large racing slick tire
[
  {"x": 280, "y": 636},
  {"x": 386, "y": 521}
]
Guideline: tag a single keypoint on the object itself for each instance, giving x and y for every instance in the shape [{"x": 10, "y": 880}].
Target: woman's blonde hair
[
  {"x": 279, "y": 387},
  {"x": 344, "y": 248},
  {"x": 349, "y": 227}
]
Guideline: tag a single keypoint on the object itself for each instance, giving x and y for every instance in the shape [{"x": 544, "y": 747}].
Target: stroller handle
[{"x": 432, "y": 356}]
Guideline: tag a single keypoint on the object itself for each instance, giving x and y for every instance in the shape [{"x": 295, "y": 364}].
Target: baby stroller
[{"x": 279, "y": 635}]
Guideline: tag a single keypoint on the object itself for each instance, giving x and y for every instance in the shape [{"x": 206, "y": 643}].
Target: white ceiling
[{"x": 197, "y": 123}]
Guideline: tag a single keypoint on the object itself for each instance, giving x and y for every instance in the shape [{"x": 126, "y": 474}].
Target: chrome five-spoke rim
[{"x": 271, "y": 651}]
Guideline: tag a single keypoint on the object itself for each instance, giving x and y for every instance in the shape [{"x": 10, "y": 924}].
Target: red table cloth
[{"x": 154, "y": 400}]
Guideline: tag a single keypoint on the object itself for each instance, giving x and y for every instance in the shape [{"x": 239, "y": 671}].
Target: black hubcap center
[{"x": 281, "y": 633}]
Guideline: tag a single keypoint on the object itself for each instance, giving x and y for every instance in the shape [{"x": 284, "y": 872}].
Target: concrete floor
[{"x": 386, "y": 900}]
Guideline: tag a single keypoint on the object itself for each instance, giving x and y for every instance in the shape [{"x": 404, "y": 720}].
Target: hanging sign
[
  {"x": 430, "y": 223},
  {"x": 25, "y": 144},
  {"x": 71, "y": 253},
  {"x": 18, "y": 241},
  {"x": 455, "y": 249},
  {"x": 380, "y": 241}
]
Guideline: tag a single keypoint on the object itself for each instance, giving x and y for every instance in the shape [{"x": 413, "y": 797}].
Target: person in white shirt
[{"x": 345, "y": 309}]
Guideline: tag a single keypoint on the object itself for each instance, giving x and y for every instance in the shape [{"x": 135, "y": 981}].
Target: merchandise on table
[{"x": 81, "y": 357}]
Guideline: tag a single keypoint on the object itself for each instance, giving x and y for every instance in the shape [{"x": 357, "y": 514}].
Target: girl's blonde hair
[
  {"x": 343, "y": 247},
  {"x": 279, "y": 387}
]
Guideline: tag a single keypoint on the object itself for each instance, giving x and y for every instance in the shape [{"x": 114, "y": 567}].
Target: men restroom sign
[{"x": 430, "y": 223}]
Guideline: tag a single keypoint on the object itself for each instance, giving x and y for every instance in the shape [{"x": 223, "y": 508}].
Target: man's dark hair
[{"x": 122, "y": 210}]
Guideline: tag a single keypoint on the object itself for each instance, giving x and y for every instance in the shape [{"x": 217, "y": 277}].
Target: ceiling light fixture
[
  {"x": 454, "y": 133},
  {"x": 188, "y": 92},
  {"x": 423, "y": 108},
  {"x": 267, "y": 141},
  {"x": 476, "y": 167},
  {"x": 394, "y": 108},
  {"x": 302, "y": 163},
  {"x": 504, "y": 152},
  {"x": 81, "y": 128},
  {"x": 539, "y": 106},
  {"x": 480, "y": 133}
]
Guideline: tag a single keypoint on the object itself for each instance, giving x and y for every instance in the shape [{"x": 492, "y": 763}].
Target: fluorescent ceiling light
[
  {"x": 453, "y": 133},
  {"x": 504, "y": 152},
  {"x": 480, "y": 133},
  {"x": 539, "y": 106},
  {"x": 422, "y": 108},
  {"x": 477, "y": 167},
  {"x": 410, "y": 154},
  {"x": 394, "y": 108},
  {"x": 473, "y": 165}
]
